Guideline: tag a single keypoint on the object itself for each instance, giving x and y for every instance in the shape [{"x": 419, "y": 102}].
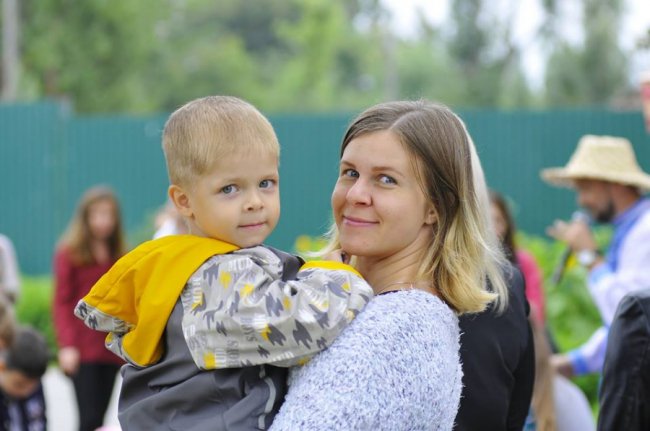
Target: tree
[
  {"x": 485, "y": 55},
  {"x": 591, "y": 74},
  {"x": 91, "y": 52}
]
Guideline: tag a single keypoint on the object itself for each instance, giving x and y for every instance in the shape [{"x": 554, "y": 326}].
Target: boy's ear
[{"x": 181, "y": 200}]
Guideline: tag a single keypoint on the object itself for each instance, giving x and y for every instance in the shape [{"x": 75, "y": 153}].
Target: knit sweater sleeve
[{"x": 396, "y": 367}]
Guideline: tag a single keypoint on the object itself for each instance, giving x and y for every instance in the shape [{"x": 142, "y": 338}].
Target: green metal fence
[{"x": 48, "y": 157}]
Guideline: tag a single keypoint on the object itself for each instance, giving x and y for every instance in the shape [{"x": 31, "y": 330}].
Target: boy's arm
[{"x": 238, "y": 312}]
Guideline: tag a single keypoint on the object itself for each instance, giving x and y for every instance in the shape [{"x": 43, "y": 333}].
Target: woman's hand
[
  {"x": 69, "y": 360},
  {"x": 338, "y": 256}
]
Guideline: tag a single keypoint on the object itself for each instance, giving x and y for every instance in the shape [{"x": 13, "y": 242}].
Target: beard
[{"x": 605, "y": 215}]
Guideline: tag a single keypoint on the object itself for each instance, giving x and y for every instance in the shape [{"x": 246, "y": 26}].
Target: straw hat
[{"x": 605, "y": 158}]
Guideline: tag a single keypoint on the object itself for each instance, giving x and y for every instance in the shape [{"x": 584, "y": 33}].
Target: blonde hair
[
  {"x": 464, "y": 252},
  {"x": 543, "y": 400},
  {"x": 78, "y": 236},
  {"x": 202, "y": 131}
]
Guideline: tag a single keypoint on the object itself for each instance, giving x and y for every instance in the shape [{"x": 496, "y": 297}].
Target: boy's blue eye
[
  {"x": 385, "y": 179},
  {"x": 230, "y": 188},
  {"x": 351, "y": 173},
  {"x": 267, "y": 184}
]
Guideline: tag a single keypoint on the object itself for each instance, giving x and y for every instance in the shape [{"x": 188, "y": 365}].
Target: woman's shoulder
[
  {"x": 410, "y": 319},
  {"x": 525, "y": 258},
  {"x": 410, "y": 307}
]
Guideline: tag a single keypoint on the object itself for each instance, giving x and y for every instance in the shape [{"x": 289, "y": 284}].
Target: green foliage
[
  {"x": 34, "y": 306},
  {"x": 596, "y": 71}
]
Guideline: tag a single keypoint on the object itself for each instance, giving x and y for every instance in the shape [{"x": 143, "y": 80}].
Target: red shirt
[
  {"x": 534, "y": 289},
  {"x": 72, "y": 282}
]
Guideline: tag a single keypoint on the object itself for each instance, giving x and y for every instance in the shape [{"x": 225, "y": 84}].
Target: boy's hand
[{"x": 337, "y": 256}]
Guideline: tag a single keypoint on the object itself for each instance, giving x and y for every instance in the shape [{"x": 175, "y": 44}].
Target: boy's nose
[{"x": 254, "y": 202}]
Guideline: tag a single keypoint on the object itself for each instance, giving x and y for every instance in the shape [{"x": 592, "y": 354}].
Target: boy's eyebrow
[{"x": 234, "y": 178}]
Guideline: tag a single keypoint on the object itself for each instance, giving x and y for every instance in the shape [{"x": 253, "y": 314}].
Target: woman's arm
[
  {"x": 394, "y": 368},
  {"x": 63, "y": 306}
]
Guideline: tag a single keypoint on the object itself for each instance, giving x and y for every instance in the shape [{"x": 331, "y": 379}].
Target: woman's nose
[{"x": 359, "y": 193}]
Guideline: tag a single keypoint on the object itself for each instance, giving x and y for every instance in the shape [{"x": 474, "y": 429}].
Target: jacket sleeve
[
  {"x": 589, "y": 357},
  {"x": 608, "y": 285},
  {"x": 239, "y": 312},
  {"x": 626, "y": 381},
  {"x": 64, "y": 299}
]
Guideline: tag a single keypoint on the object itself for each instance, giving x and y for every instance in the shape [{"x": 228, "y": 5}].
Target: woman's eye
[
  {"x": 385, "y": 179},
  {"x": 230, "y": 188},
  {"x": 351, "y": 173},
  {"x": 267, "y": 184}
]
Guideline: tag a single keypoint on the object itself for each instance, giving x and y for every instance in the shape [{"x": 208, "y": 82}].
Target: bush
[{"x": 34, "y": 306}]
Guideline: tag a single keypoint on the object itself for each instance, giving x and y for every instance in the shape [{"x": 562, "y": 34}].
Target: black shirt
[{"x": 498, "y": 359}]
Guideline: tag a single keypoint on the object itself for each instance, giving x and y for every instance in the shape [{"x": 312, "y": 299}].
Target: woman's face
[
  {"x": 101, "y": 219},
  {"x": 378, "y": 204}
]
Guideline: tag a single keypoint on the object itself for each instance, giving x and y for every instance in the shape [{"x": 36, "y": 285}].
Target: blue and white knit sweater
[{"x": 396, "y": 367}]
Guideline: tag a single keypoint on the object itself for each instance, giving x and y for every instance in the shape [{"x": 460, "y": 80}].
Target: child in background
[
  {"x": 162, "y": 302},
  {"x": 22, "y": 404}
]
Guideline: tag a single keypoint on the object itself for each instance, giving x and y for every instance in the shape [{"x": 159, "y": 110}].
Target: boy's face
[
  {"x": 16, "y": 384},
  {"x": 238, "y": 201}
]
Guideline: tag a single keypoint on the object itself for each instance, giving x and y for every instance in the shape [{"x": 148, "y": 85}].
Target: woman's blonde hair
[
  {"x": 204, "y": 130},
  {"x": 77, "y": 238},
  {"x": 464, "y": 252}
]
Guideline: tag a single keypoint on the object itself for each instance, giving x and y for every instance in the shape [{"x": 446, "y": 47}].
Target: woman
[
  {"x": 505, "y": 229},
  {"x": 409, "y": 212},
  {"x": 91, "y": 244}
]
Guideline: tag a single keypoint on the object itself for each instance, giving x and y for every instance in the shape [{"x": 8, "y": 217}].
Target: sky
[{"x": 636, "y": 20}]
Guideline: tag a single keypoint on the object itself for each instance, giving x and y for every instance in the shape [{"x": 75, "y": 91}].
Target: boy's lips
[
  {"x": 252, "y": 225},
  {"x": 357, "y": 221}
]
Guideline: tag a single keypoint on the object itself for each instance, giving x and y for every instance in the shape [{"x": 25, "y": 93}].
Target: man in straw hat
[{"x": 610, "y": 186}]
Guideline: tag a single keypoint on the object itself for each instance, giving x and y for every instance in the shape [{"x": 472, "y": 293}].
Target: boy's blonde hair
[{"x": 202, "y": 131}]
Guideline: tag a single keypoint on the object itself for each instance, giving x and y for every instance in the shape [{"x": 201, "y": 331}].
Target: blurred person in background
[
  {"x": 9, "y": 273},
  {"x": 625, "y": 389},
  {"x": 609, "y": 185},
  {"x": 504, "y": 226},
  {"x": 169, "y": 221},
  {"x": 91, "y": 245},
  {"x": 22, "y": 366}
]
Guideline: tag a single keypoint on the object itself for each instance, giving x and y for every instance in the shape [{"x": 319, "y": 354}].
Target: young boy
[
  {"x": 216, "y": 300},
  {"x": 22, "y": 403}
]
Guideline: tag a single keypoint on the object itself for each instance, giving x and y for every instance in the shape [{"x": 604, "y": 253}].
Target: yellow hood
[{"x": 142, "y": 288}]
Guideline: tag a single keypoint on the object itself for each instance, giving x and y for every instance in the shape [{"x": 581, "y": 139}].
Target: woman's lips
[{"x": 357, "y": 222}]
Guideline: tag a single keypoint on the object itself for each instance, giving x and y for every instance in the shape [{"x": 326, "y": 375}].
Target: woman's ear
[
  {"x": 431, "y": 216},
  {"x": 181, "y": 200}
]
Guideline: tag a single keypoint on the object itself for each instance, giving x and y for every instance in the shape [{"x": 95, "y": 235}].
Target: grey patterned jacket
[{"x": 239, "y": 312}]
